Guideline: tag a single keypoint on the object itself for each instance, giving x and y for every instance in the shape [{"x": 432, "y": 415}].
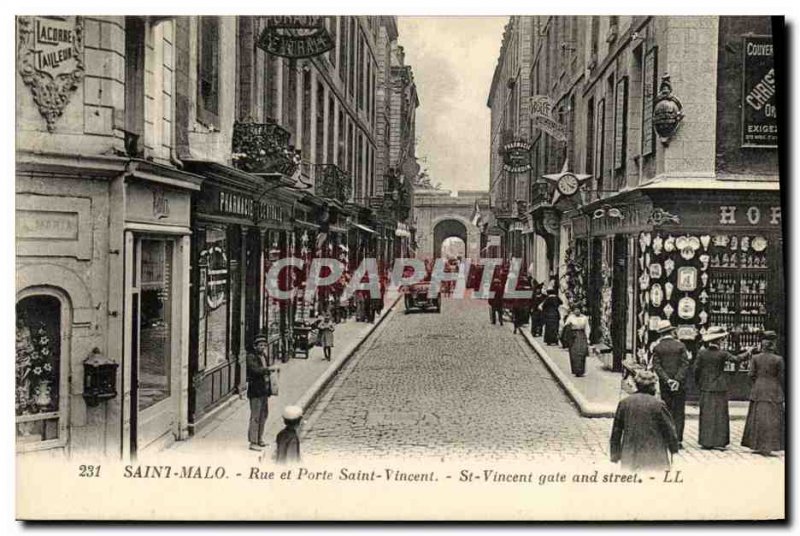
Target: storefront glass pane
[
  {"x": 155, "y": 322},
  {"x": 215, "y": 258},
  {"x": 38, "y": 368}
]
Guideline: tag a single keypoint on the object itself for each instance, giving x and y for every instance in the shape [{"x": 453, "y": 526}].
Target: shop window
[
  {"x": 214, "y": 297},
  {"x": 208, "y": 71},
  {"x": 40, "y": 372},
  {"x": 155, "y": 322}
]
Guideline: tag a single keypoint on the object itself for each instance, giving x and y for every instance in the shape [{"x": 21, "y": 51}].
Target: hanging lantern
[{"x": 667, "y": 112}]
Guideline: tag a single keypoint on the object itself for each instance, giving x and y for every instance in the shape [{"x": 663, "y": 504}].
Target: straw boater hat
[
  {"x": 714, "y": 333},
  {"x": 769, "y": 336},
  {"x": 664, "y": 326},
  {"x": 259, "y": 338}
]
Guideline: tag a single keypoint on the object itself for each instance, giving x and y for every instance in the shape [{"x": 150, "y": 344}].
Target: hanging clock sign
[{"x": 567, "y": 183}]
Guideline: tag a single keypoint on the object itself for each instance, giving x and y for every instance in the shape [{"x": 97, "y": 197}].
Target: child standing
[
  {"x": 326, "y": 327},
  {"x": 288, "y": 442}
]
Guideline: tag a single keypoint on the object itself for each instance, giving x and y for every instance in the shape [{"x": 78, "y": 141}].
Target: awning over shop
[{"x": 364, "y": 228}]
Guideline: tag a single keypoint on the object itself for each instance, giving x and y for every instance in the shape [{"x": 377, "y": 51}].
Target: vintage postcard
[{"x": 324, "y": 267}]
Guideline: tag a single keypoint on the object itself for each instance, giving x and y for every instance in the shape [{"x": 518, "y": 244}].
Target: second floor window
[{"x": 208, "y": 71}]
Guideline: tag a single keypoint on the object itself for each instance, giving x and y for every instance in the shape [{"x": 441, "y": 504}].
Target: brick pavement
[{"x": 452, "y": 386}]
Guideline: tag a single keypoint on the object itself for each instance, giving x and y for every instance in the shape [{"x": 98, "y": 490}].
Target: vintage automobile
[{"x": 416, "y": 297}]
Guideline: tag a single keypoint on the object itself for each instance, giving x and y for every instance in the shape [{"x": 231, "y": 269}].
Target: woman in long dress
[
  {"x": 711, "y": 381},
  {"x": 551, "y": 316},
  {"x": 578, "y": 325},
  {"x": 763, "y": 430}
]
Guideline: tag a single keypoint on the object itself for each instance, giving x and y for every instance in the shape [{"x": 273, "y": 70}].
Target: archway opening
[
  {"x": 453, "y": 247},
  {"x": 449, "y": 233}
]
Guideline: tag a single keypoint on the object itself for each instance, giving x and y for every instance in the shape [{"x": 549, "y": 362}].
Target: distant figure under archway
[{"x": 447, "y": 230}]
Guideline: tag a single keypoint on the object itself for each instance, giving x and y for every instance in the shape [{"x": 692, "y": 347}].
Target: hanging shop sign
[
  {"x": 517, "y": 156},
  {"x": 50, "y": 61},
  {"x": 541, "y": 111},
  {"x": 759, "y": 113},
  {"x": 296, "y": 36},
  {"x": 227, "y": 203}
]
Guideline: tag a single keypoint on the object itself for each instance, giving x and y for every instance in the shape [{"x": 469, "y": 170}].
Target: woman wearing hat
[
  {"x": 577, "y": 326},
  {"x": 711, "y": 381},
  {"x": 551, "y": 316},
  {"x": 643, "y": 434},
  {"x": 763, "y": 430}
]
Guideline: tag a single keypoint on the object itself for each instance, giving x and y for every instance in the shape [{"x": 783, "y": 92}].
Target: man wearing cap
[
  {"x": 671, "y": 364},
  {"x": 258, "y": 391},
  {"x": 643, "y": 434}
]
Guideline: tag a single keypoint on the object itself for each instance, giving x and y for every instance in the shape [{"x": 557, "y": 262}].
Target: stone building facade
[
  {"x": 608, "y": 81},
  {"x": 147, "y": 218}
]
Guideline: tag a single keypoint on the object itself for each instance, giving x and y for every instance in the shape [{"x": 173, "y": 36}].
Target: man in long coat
[
  {"x": 643, "y": 434},
  {"x": 671, "y": 364},
  {"x": 258, "y": 391}
]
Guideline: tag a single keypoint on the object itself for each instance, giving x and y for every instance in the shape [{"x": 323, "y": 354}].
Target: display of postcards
[
  {"x": 686, "y": 333},
  {"x": 655, "y": 271},
  {"x": 656, "y": 295},
  {"x": 687, "y": 278},
  {"x": 687, "y": 308},
  {"x": 669, "y": 266},
  {"x": 657, "y": 244}
]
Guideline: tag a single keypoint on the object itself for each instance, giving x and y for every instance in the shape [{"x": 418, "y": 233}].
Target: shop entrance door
[{"x": 150, "y": 347}]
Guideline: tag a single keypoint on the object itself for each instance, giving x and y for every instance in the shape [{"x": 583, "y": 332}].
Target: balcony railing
[
  {"x": 263, "y": 148},
  {"x": 332, "y": 182}
]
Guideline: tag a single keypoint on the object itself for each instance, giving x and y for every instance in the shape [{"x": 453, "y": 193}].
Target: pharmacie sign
[
  {"x": 759, "y": 113},
  {"x": 50, "y": 61},
  {"x": 516, "y": 156},
  {"x": 296, "y": 36}
]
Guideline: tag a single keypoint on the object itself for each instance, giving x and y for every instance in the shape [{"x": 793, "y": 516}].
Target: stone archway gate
[{"x": 432, "y": 207}]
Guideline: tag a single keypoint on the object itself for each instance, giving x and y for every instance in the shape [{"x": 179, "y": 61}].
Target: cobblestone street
[{"x": 452, "y": 385}]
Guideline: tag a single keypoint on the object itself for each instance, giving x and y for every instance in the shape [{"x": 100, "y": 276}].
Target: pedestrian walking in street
[
  {"x": 671, "y": 364},
  {"x": 288, "y": 441},
  {"x": 643, "y": 435},
  {"x": 577, "y": 327},
  {"x": 763, "y": 430},
  {"x": 496, "y": 301},
  {"x": 536, "y": 312},
  {"x": 520, "y": 307},
  {"x": 712, "y": 382},
  {"x": 325, "y": 329},
  {"x": 551, "y": 316},
  {"x": 258, "y": 391}
]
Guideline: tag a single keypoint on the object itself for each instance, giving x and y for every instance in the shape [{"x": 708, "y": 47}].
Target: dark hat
[
  {"x": 259, "y": 338},
  {"x": 769, "y": 336}
]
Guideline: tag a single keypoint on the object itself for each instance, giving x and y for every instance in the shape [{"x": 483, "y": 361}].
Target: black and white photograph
[{"x": 451, "y": 267}]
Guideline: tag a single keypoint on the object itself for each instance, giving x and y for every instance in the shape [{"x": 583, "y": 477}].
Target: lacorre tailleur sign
[{"x": 759, "y": 114}]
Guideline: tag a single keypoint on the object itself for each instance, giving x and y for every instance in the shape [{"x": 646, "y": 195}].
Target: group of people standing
[{"x": 647, "y": 428}]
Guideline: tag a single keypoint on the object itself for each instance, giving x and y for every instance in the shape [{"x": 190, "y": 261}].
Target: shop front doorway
[{"x": 151, "y": 345}]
